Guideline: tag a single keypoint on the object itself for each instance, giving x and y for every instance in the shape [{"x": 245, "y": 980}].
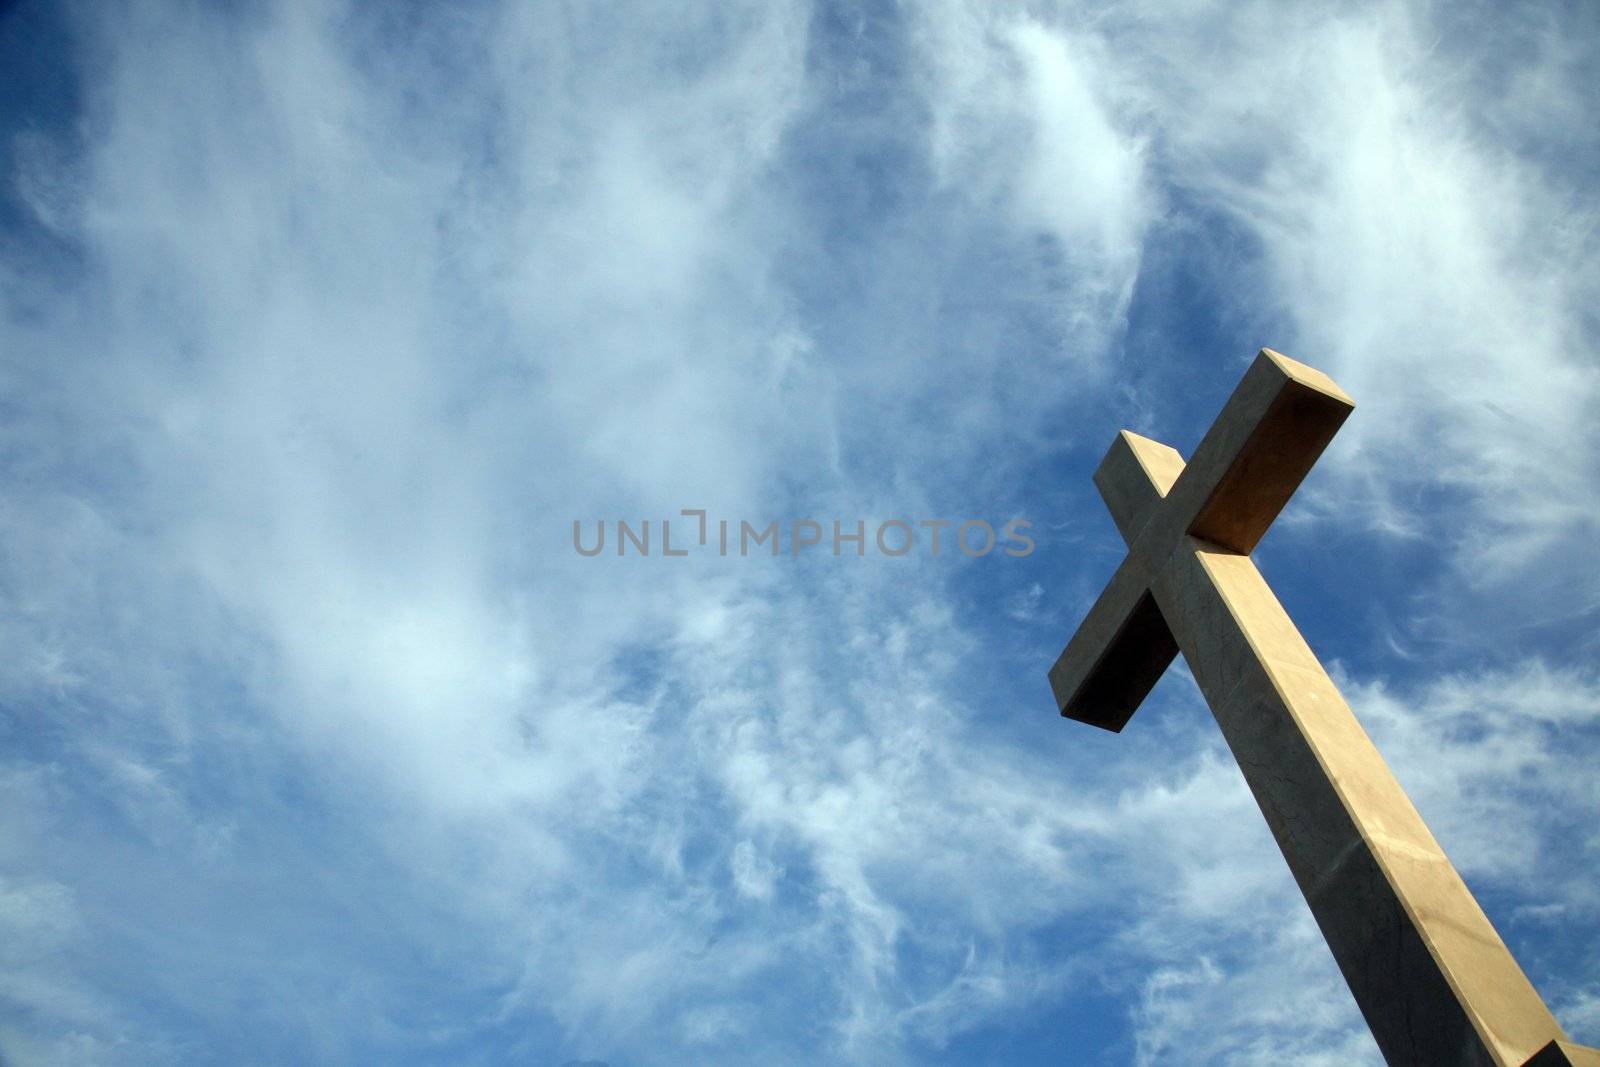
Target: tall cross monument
[{"x": 1433, "y": 979}]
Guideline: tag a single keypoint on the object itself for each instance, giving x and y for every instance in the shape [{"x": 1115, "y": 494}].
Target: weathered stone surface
[{"x": 1432, "y": 978}]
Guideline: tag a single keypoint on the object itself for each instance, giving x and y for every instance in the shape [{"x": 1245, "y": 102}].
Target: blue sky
[{"x": 320, "y": 324}]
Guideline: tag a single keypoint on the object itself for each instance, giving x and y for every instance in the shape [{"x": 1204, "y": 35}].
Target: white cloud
[
  {"x": 1022, "y": 123},
  {"x": 1437, "y": 273}
]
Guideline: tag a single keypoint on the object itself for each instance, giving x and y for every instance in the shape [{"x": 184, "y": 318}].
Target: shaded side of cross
[{"x": 1428, "y": 971}]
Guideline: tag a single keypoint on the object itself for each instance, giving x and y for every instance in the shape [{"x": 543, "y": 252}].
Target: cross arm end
[
  {"x": 1117, "y": 655},
  {"x": 1268, "y": 436},
  {"x": 1133, "y": 478}
]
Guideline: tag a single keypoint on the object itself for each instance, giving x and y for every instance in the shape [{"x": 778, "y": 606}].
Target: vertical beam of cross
[{"x": 1428, "y": 971}]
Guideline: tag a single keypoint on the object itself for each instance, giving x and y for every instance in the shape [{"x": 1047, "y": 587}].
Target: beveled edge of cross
[{"x": 1269, "y": 434}]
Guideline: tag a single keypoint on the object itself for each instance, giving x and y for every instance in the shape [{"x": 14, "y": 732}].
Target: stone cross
[{"x": 1433, "y": 979}]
